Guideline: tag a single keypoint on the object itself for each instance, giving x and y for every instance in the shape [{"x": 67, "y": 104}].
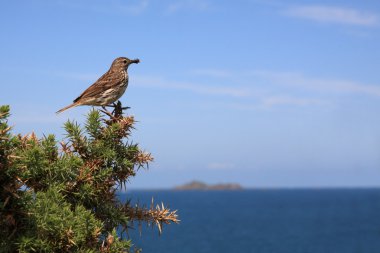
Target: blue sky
[{"x": 263, "y": 93}]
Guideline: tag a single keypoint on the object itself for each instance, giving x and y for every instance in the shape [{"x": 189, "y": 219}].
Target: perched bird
[{"x": 108, "y": 88}]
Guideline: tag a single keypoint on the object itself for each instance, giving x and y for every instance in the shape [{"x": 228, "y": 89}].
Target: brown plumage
[{"x": 108, "y": 88}]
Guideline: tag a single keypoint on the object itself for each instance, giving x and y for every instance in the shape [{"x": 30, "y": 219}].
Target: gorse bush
[{"x": 62, "y": 196}]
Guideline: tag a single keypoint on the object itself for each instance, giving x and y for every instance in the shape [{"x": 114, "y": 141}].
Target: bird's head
[{"x": 123, "y": 63}]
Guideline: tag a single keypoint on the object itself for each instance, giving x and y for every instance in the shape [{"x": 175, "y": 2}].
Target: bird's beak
[{"x": 135, "y": 61}]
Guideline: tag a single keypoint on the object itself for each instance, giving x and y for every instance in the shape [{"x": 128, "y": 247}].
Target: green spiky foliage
[{"x": 62, "y": 196}]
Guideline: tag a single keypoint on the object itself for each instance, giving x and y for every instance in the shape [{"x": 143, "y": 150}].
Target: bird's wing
[{"x": 105, "y": 82}]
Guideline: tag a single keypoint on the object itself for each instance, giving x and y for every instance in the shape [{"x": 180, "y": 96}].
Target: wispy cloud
[
  {"x": 193, "y": 87},
  {"x": 333, "y": 14},
  {"x": 256, "y": 100},
  {"x": 259, "y": 89},
  {"x": 220, "y": 166},
  {"x": 215, "y": 73},
  {"x": 318, "y": 84},
  {"x": 278, "y": 101},
  {"x": 197, "y": 5},
  {"x": 75, "y": 76},
  {"x": 163, "y": 83},
  {"x": 272, "y": 101},
  {"x": 294, "y": 79},
  {"x": 134, "y": 7}
]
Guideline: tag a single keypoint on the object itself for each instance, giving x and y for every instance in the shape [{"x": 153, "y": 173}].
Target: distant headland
[{"x": 197, "y": 185}]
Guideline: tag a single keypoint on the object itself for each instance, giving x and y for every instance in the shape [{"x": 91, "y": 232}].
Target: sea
[{"x": 273, "y": 220}]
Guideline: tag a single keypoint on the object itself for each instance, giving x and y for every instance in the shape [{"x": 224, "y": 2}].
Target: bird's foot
[
  {"x": 105, "y": 111},
  {"x": 113, "y": 105},
  {"x": 117, "y": 111}
]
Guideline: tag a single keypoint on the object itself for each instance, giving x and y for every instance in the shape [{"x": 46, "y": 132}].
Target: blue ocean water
[{"x": 288, "y": 221}]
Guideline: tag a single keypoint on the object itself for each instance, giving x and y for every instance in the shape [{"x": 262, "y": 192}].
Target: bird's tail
[{"x": 67, "y": 107}]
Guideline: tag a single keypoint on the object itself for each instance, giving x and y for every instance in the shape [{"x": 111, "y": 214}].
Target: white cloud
[
  {"x": 196, "y": 88},
  {"x": 285, "y": 100},
  {"x": 318, "y": 84},
  {"x": 258, "y": 89},
  {"x": 134, "y": 7},
  {"x": 198, "y": 5},
  {"x": 216, "y": 73},
  {"x": 295, "y": 80},
  {"x": 76, "y": 76},
  {"x": 278, "y": 101},
  {"x": 333, "y": 14},
  {"x": 159, "y": 82}
]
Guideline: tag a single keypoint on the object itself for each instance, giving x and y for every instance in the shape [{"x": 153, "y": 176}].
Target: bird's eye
[{"x": 125, "y": 61}]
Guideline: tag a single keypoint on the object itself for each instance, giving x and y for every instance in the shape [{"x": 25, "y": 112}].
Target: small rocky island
[{"x": 197, "y": 185}]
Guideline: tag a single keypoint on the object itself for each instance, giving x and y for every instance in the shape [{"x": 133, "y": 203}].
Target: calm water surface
[{"x": 290, "y": 221}]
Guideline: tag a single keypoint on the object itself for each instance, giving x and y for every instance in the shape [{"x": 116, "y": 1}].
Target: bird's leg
[
  {"x": 107, "y": 113},
  {"x": 105, "y": 107},
  {"x": 113, "y": 105},
  {"x": 117, "y": 109}
]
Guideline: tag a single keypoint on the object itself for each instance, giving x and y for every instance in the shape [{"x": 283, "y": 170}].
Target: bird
[{"x": 108, "y": 88}]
